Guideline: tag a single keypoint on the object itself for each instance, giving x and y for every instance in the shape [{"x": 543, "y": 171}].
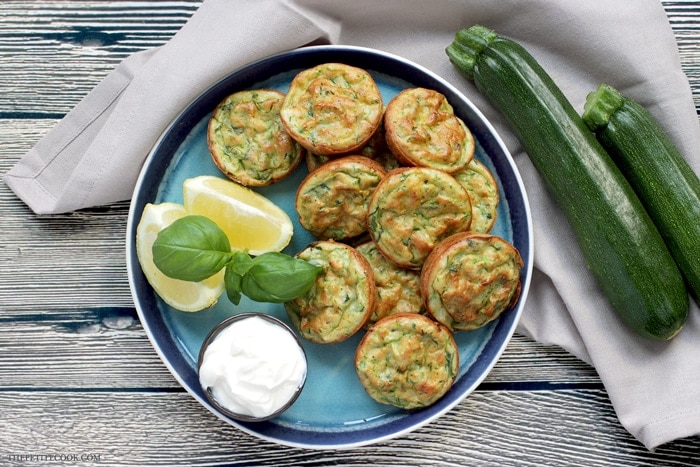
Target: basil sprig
[{"x": 194, "y": 248}]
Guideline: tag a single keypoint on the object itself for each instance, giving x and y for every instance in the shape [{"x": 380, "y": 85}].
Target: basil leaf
[
  {"x": 232, "y": 281},
  {"x": 276, "y": 277},
  {"x": 240, "y": 262},
  {"x": 192, "y": 248}
]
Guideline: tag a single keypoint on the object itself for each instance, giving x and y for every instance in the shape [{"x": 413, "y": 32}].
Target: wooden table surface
[{"x": 80, "y": 383}]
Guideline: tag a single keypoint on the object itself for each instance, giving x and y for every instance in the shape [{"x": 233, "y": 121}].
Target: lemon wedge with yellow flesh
[
  {"x": 251, "y": 221},
  {"x": 181, "y": 295}
]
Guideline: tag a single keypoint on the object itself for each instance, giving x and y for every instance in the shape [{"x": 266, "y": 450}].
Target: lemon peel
[
  {"x": 181, "y": 295},
  {"x": 251, "y": 221}
]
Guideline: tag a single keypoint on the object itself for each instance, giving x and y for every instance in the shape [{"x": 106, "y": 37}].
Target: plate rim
[{"x": 311, "y": 52}]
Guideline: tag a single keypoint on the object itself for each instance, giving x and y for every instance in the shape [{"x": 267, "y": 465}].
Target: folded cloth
[{"x": 93, "y": 156}]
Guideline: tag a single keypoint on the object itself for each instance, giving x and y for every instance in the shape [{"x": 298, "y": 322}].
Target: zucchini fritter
[
  {"x": 398, "y": 289},
  {"x": 342, "y": 298},
  {"x": 483, "y": 193},
  {"x": 469, "y": 279},
  {"x": 247, "y": 140},
  {"x": 413, "y": 209},
  {"x": 332, "y": 108},
  {"x": 407, "y": 360},
  {"x": 332, "y": 201},
  {"x": 422, "y": 130}
]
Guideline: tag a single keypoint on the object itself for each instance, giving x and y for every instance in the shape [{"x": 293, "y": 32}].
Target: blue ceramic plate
[{"x": 333, "y": 411}]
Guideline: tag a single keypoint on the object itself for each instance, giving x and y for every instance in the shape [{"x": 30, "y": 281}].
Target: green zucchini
[
  {"x": 621, "y": 246},
  {"x": 658, "y": 173}
]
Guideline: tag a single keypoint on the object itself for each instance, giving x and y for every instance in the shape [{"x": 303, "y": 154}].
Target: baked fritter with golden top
[
  {"x": 413, "y": 209},
  {"x": 332, "y": 201},
  {"x": 407, "y": 360},
  {"x": 332, "y": 108},
  {"x": 398, "y": 289},
  {"x": 422, "y": 130},
  {"x": 247, "y": 140},
  {"x": 342, "y": 298},
  {"x": 483, "y": 193},
  {"x": 469, "y": 279}
]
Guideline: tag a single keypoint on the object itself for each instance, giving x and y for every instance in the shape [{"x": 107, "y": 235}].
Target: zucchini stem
[
  {"x": 467, "y": 46},
  {"x": 600, "y": 105}
]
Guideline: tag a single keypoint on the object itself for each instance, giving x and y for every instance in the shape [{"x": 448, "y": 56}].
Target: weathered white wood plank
[
  {"x": 574, "y": 427},
  {"x": 684, "y": 17},
  {"x": 80, "y": 350},
  {"x": 54, "y": 52},
  {"x": 69, "y": 261}
]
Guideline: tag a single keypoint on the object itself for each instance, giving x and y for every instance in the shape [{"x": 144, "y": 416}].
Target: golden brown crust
[
  {"x": 376, "y": 149},
  {"x": 398, "y": 289},
  {"x": 422, "y": 130},
  {"x": 247, "y": 140},
  {"x": 483, "y": 193},
  {"x": 469, "y": 279},
  {"x": 332, "y": 200},
  {"x": 332, "y": 108},
  {"x": 407, "y": 360},
  {"x": 342, "y": 297},
  {"x": 413, "y": 209}
]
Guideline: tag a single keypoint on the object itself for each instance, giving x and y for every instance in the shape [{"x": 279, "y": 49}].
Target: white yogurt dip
[{"x": 253, "y": 367}]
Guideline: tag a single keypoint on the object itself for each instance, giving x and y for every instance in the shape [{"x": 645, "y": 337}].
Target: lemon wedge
[
  {"x": 181, "y": 295},
  {"x": 251, "y": 221}
]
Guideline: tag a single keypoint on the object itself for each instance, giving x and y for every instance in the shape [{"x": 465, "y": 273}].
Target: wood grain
[
  {"x": 77, "y": 372},
  {"x": 56, "y": 51},
  {"x": 112, "y": 425}
]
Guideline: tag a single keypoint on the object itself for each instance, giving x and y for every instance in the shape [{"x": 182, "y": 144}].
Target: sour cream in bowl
[{"x": 252, "y": 367}]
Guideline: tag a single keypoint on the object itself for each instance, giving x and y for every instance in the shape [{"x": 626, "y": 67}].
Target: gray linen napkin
[{"x": 654, "y": 387}]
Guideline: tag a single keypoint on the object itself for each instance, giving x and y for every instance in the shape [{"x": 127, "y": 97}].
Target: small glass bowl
[{"x": 210, "y": 338}]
